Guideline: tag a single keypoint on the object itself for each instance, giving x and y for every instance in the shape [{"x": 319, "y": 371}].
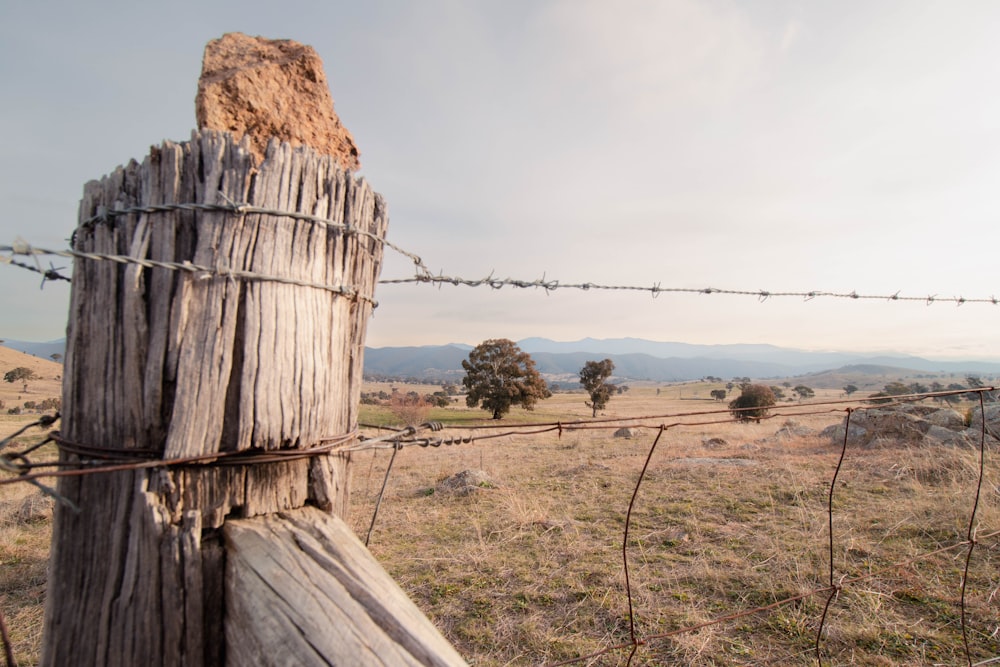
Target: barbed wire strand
[
  {"x": 656, "y": 289},
  {"x": 242, "y": 209},
  {"x": 423, "y": 275},
  {"x": 199, "y": 271}
]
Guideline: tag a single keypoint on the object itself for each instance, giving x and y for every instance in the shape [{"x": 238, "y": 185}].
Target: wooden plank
[{"x": 302, "y": 590}]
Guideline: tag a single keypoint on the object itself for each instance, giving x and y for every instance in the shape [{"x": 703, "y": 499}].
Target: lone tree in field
[
  {"x": 21, "y": 374},
  {"x": 753, "y": 403},
  {"x": 850, "y": 389},
  {"x": 718, "y": 394},
  {"x": 804, "y": 391},
  {"x": 499, "y": 375},
  {"x": 593, "y": 377}
]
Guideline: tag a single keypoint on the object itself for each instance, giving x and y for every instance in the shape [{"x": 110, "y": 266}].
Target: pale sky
[{"x": 781, "y": 146}]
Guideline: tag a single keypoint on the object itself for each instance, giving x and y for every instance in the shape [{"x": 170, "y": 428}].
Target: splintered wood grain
[
  {"x": 181, "y": 365},
  {"x": 302, "y": 590},
  {"x": 194, "y": 364}
]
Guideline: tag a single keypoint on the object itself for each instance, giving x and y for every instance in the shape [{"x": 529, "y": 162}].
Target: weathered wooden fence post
[{"x": 229, "y": 332}]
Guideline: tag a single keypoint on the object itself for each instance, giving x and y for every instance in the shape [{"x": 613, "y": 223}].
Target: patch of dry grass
[
  {"x": 528, "y": 569},
  {"x": 531, "y": 572},
  {"x": 25, "y": 533}
]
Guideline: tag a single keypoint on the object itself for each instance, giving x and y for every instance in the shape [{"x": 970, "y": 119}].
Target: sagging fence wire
[{"x": 96, "y": 460}]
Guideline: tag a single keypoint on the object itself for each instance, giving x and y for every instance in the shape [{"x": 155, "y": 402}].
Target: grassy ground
[
  {"x": 25, "y": 530},
  {"x": 528, "y": 569}
]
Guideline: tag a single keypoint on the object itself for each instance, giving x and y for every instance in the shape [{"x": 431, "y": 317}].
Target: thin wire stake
[
  {"x": 385, "y": 482},
  {"x": 628, "y": 520},
  {"x": 970, "y": 536},
  {"x": 834, "y": 588},
  {"x": 8, "y": 649}
]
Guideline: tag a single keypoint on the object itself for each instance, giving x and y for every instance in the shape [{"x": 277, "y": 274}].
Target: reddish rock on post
[{"x": 265, "y": 88}]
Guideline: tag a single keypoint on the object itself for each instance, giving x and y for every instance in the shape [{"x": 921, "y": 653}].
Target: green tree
[
  {"x": 718, "y": 394},
  {"x": 850, "y": 389},
  {"x": 20, "y": 374},
  {"x": 499, "y": 375},
  {"x": 753, "y": 403},
  {"x": 803, "y": 391},
  {"x": 593, "y": 377},
  {"x": 975, "y": 383},
  {"x": 890, "y": 390}
]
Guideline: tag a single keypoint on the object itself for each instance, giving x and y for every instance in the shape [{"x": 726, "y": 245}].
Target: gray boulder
[
  {"x": 947, "y": 418},
  {"x": 857, "y": 435}
]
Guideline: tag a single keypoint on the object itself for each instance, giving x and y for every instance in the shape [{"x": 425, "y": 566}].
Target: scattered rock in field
[
  {"x": 946, "y": 436},
  {"x": 466, "y": 482},
  {"x": 947, "y": 418},
  {"x": 713, "y": 443},
  {"x": 627, "y": 433},
  {"x": 992, "y": 421},
  {"x": 836, "y": 433},
  {"x": 792, "y": 429},
  {"x": 911, "y": 425},
  {"x": 263, "y": 88}
]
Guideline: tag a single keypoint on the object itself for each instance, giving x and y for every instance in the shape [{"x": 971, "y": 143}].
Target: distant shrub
[
  {"x": 753, "y": 403},
  {"x": 50, "y": 404}
]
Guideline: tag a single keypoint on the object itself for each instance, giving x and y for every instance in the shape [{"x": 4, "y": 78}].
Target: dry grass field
[{"x": 526, "y": 568}]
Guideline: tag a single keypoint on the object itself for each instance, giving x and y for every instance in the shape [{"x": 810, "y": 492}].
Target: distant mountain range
[
  {"x": 638, "y": 359},
  {"x": 44, "y": 350},
  {"x": 635, "y": 359}
]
